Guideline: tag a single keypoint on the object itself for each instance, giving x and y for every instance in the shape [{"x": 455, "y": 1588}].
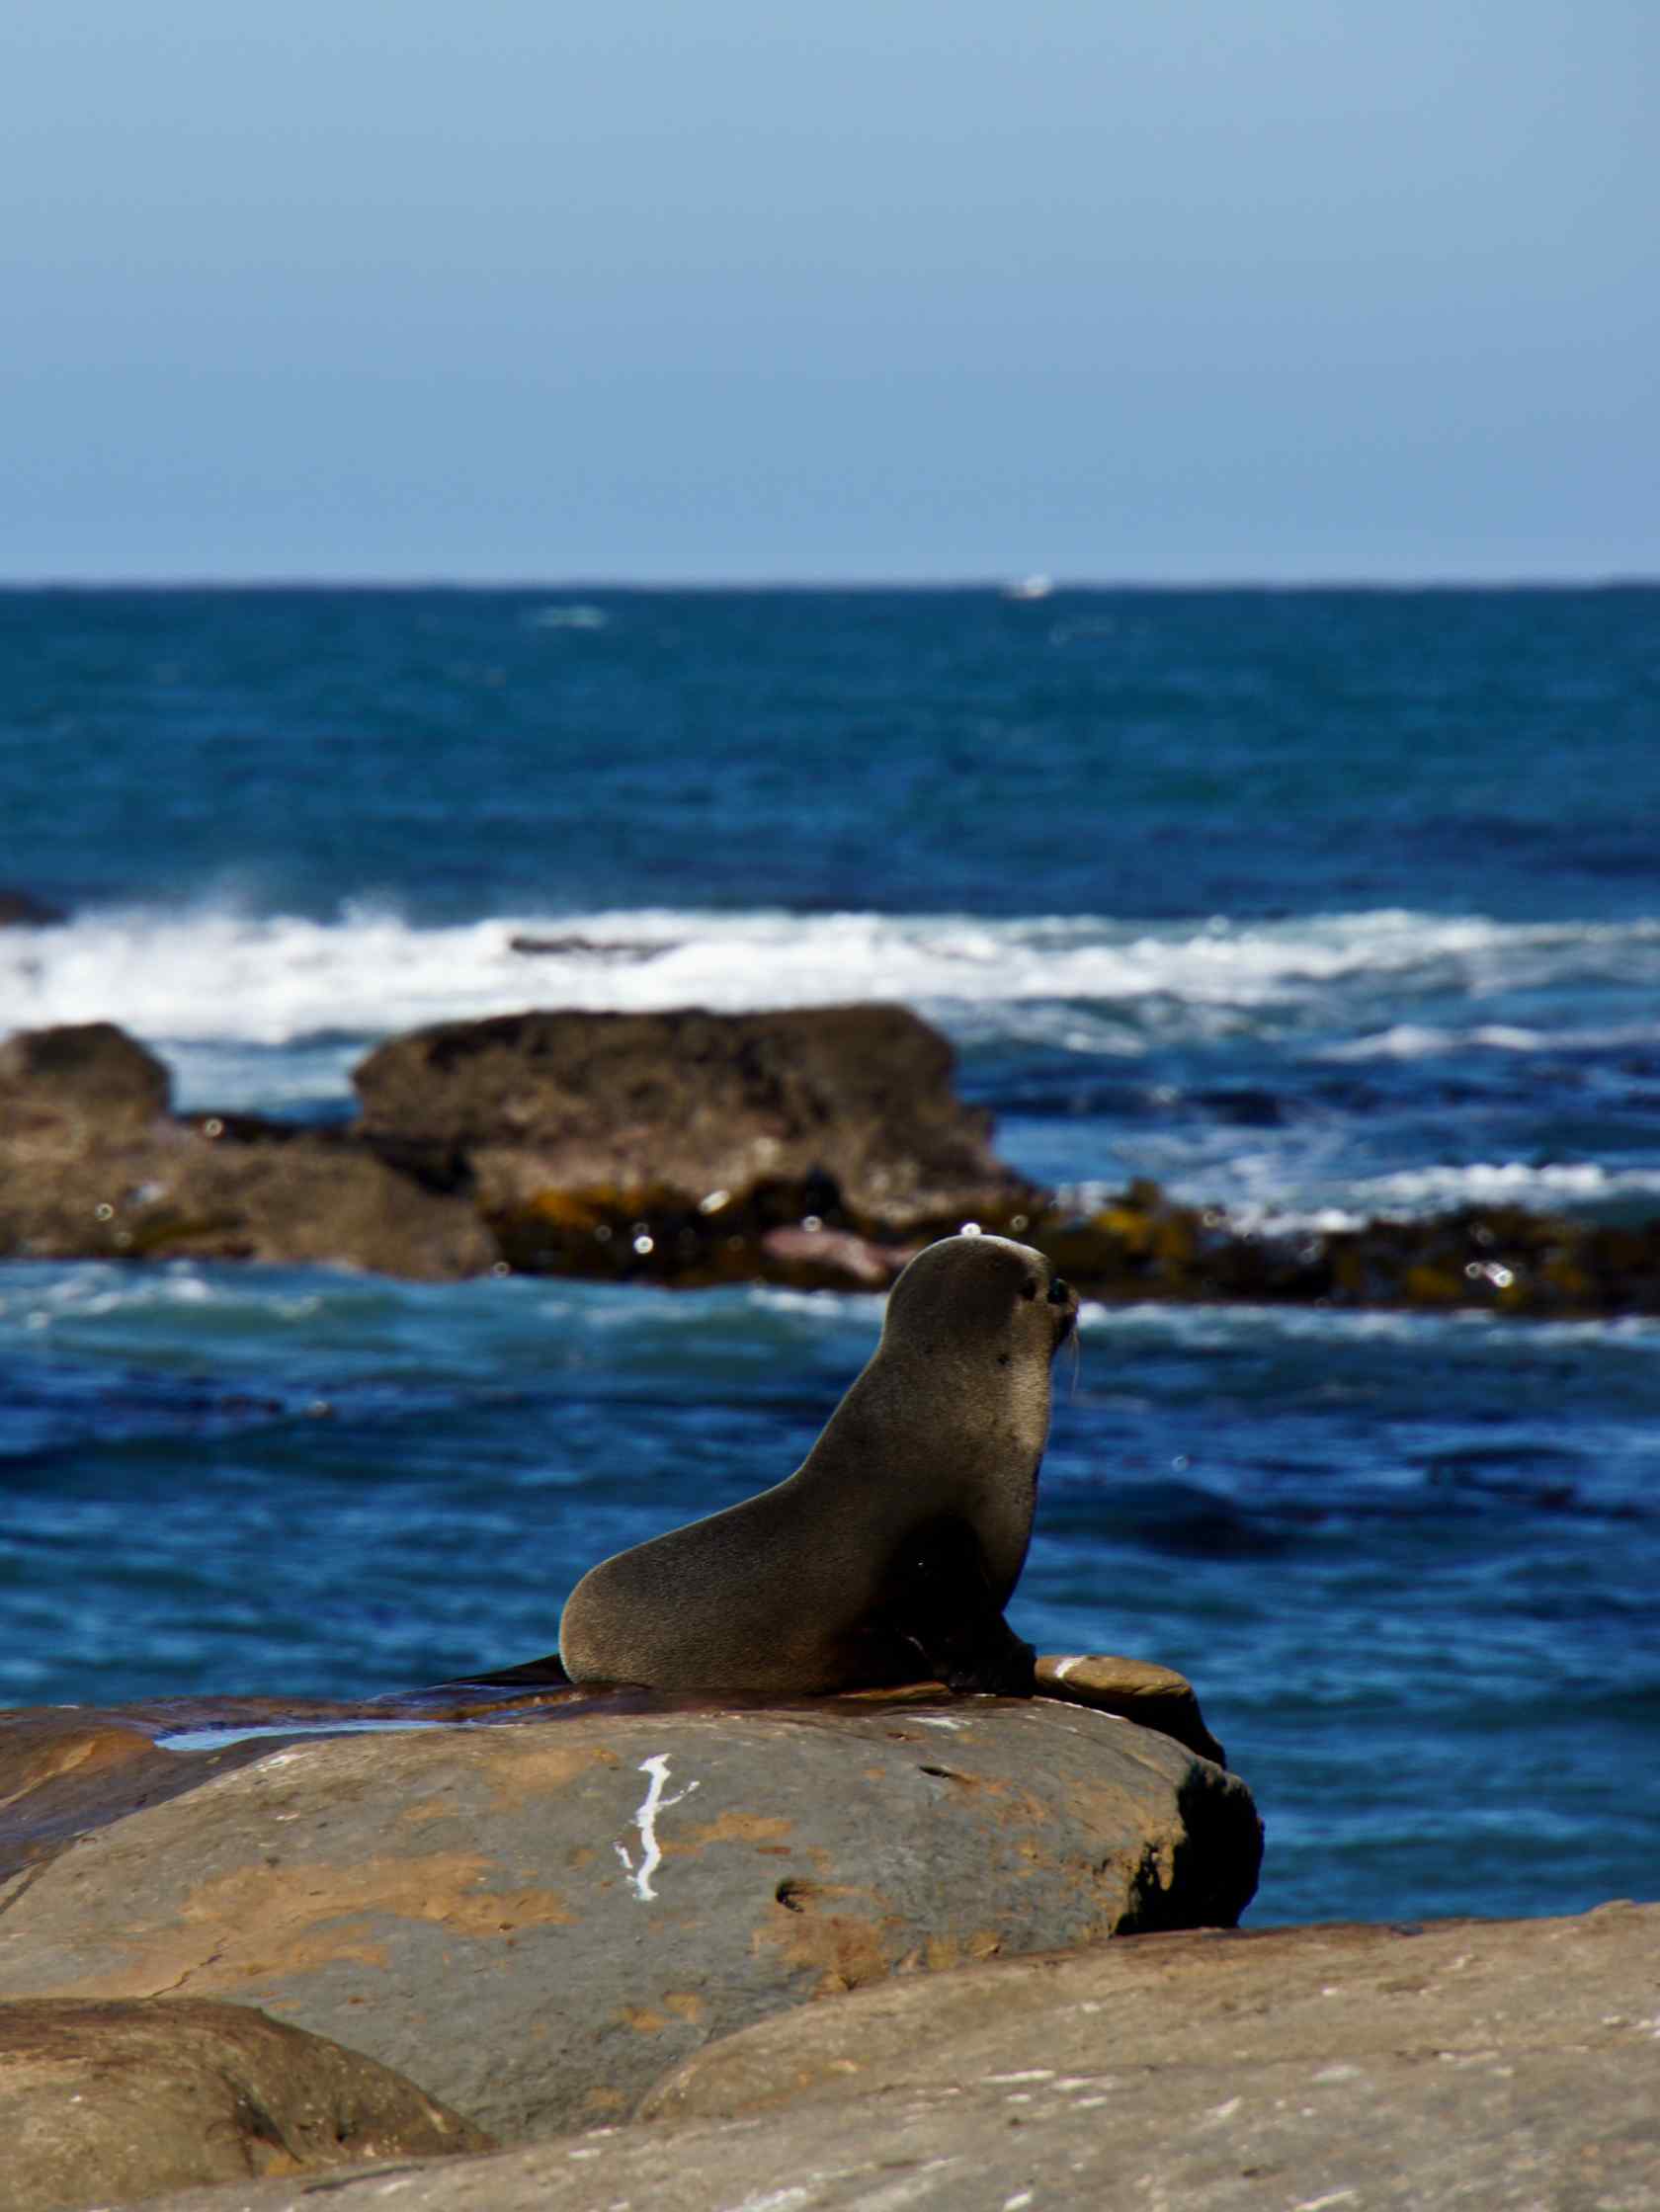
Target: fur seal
[{"x": 890, "y": 1555}]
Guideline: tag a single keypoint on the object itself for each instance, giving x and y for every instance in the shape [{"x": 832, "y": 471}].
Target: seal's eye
[
  {"x": 1029, "y": 1288},
  {"x": 1060, "y": 1291}
]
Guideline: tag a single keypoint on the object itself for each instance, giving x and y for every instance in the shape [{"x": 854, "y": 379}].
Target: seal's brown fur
[{"x": 890, "y": 1554}]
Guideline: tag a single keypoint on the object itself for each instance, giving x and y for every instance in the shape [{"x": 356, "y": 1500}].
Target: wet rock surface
[
  {"x": 1500, "y": 2063},
  {"x": 533, "y": 1919},
  {"x": 107, "y": 2103}
]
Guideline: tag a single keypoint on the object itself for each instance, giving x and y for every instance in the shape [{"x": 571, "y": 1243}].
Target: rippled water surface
[
  {"x": 1410, "y": 1564},
  {"x": 1312, "y": 906}
]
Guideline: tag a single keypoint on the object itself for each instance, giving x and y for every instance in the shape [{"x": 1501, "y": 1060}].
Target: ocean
[{"x": 1312, "y": 906}]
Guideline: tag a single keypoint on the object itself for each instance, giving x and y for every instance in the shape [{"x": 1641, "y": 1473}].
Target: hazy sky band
[{"x": 915, "y": 290}]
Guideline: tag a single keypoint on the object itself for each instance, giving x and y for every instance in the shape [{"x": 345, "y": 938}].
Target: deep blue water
[{"x": 1310, "y": 905}]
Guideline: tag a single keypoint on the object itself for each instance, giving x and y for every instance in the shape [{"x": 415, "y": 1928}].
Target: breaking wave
[{"x": 272, "y": 981}]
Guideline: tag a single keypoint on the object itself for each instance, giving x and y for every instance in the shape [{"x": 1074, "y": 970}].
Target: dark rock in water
[
  {"x": 106, "y": 2102},
  {"x": 92, "y": 1166},
  {"x": 594, "y": 949},
  {"x": 815, "y": 1149},
  {"x": 304, "y": 1202},
  {"x": 85, "y": 1083},
  {"x": 21, "y": 910},
  {"x": 698, "y": 1103},
  {"x": 534, "y": 1917},
  {"x": 1481, "y": 1259},
  {"x": 790, "y": 1234}
]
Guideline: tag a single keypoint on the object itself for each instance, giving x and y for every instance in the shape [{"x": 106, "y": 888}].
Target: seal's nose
[{"x": 1060, "y": 1291}]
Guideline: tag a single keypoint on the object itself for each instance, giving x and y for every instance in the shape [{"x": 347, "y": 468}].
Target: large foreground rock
[
  {"x": 1490, "y": 2064},
  {"x": 534, "y": 1920},
  {"x": 105, "y": 2103}
]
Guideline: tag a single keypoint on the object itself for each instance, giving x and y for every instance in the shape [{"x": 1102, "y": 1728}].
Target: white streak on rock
[
  {"x": 645, "y": 1820},
  {"x": 895, "y": 2197}
]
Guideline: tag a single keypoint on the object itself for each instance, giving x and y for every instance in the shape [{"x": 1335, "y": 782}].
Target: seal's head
[{"x": 977, "y": 1294}]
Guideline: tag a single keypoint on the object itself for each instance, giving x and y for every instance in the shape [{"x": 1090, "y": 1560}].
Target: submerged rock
[
  {"x": 534, "y": 1920},
  {"x": 105, "y": 2103}
]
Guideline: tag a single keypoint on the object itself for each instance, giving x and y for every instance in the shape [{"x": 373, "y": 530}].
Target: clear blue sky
[{"x": 894, "y": 289}]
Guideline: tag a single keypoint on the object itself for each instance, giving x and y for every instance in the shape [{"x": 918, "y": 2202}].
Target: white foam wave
[
  {"x": 208, "y": 984},
  {"x": 1299, "y": 1197},
  {"x": 573, "y": 614},
  {"x": 1411, "y": 1040},
  {"x": 1218, "y": 1328},
  {"x": 1515, "y": 1182},
  {"x": 1417, "y": 1040}
]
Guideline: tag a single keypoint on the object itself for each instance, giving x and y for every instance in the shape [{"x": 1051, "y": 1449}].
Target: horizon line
[{"x": 1035, "y": 586}]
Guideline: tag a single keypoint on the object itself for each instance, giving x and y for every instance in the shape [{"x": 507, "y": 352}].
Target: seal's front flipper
[
  {"x": 1002, "y": 1667},
  {"x": 942, "y": 1606}
]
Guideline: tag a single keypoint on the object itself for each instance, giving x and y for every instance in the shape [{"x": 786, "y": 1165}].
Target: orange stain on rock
[{"x": 260, "y": 1921}]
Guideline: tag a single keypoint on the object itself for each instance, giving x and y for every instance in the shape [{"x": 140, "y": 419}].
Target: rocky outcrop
[
  {"x": 534, "y": 1920},
  {"x": 715, "y": 1931},
  {"x": 104, "y": 2102},
  {"x": 665, "y": 1146},
  {"x": 72, "y": 1089},
  {"x": 1498, "y": 2062},
  {"x": 697, "y": 1108},
  {"x": 1478, "y": 1259},
  {"x": 815, "y": 1149},
  {"x": 94, "y": 1166},
  {"x": 1487, "y": 2062}
]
